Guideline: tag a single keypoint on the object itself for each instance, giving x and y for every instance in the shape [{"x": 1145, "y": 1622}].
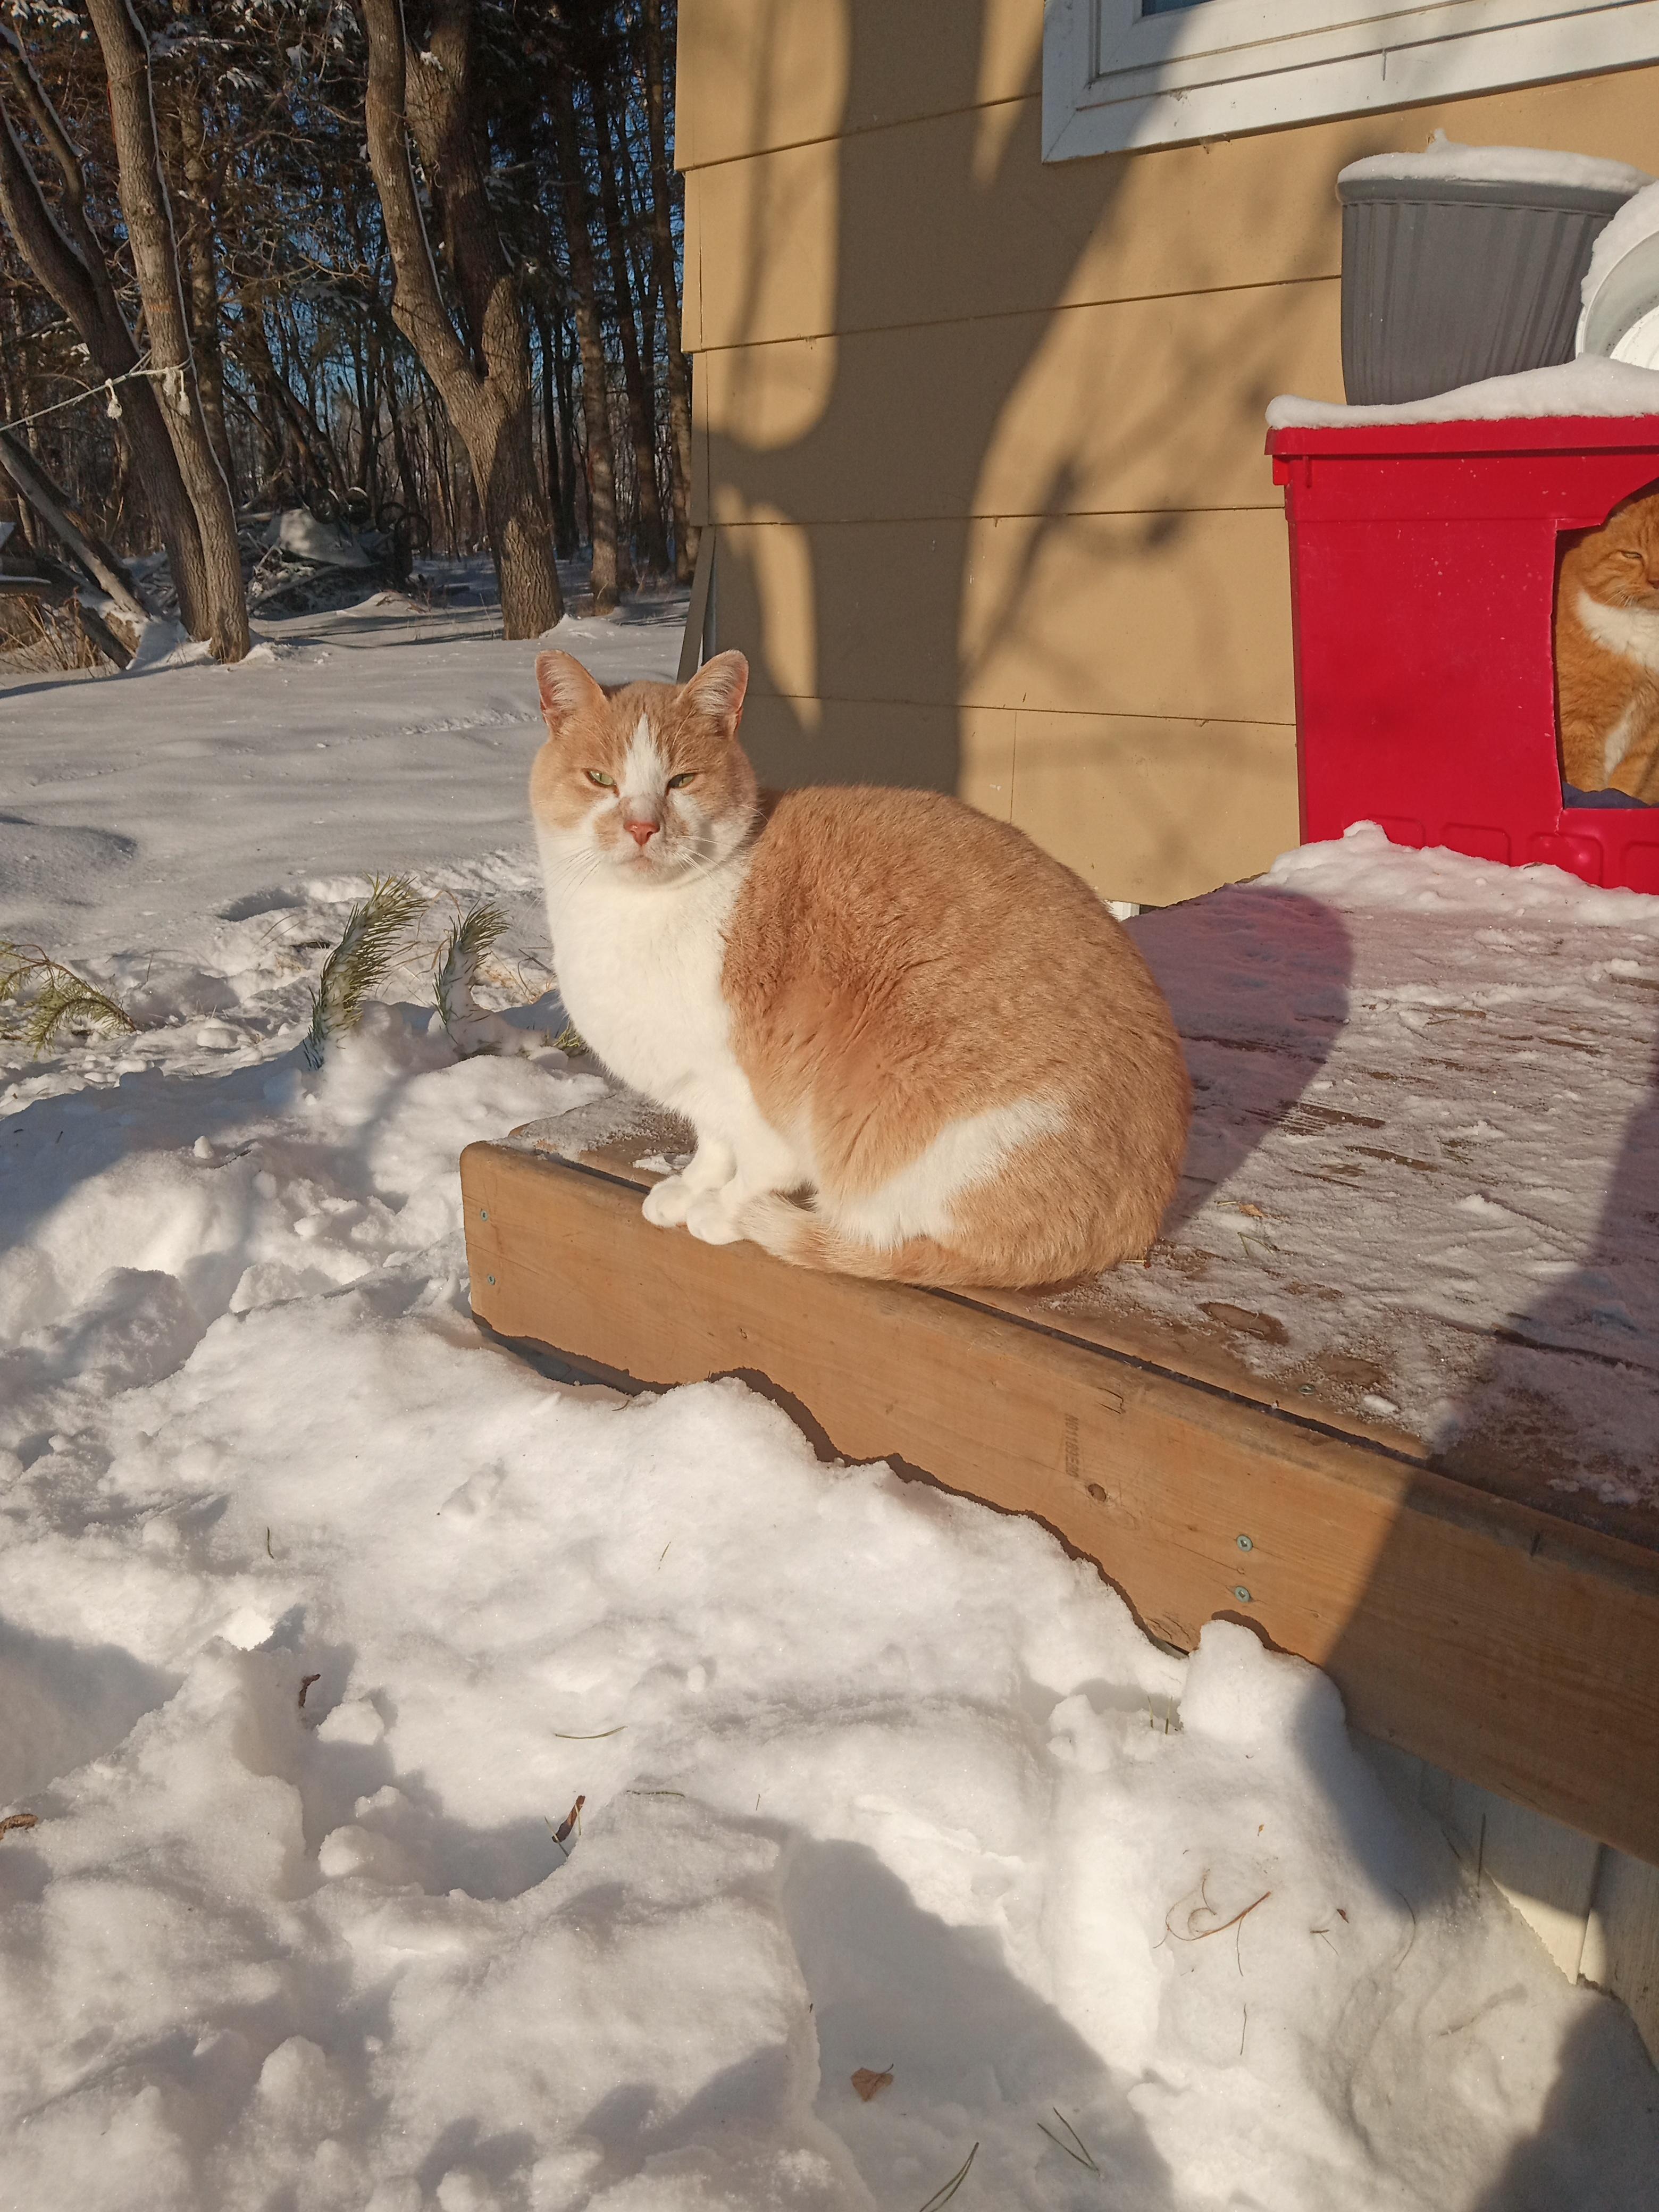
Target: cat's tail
[{"x": 809, "y": 1239}]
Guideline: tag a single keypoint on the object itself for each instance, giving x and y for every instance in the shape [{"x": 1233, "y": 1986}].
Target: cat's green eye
[
  {"x": 606, "y": 782},
  {"x": 678, "y": 782}
]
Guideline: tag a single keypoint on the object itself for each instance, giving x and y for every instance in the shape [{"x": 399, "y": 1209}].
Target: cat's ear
[
  {"x": 717, "y": 691},
  {"x": 565, "y": 688}
]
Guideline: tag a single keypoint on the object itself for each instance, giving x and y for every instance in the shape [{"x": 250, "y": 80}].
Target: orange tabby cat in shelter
[
  {"x": 910, "y": 1044},
  {"x": 1607, "y": 652}
]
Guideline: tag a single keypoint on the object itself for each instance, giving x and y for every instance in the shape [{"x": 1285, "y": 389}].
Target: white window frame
[{"x": 1114, "y": 79}]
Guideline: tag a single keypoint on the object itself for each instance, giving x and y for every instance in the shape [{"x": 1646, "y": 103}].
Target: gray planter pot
[{"x": 1447, "y": 280}]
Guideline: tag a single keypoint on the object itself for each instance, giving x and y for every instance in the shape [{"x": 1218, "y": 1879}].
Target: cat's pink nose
[{"x": 642, "y": 832}]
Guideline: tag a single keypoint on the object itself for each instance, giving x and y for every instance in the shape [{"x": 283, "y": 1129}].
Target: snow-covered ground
[{"x": 319, "y": 1616}]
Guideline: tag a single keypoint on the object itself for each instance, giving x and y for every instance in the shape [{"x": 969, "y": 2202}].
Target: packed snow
[
  {"x": 1587, "y": 387},
  {"x": 454, "y": 1786},
  {"x": 297, "y": 530},
  {"x": 1444, "y": 161}
]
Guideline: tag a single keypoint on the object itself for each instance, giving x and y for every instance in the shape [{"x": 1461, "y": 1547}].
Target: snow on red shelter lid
[{"x": 1590, "y": 403}]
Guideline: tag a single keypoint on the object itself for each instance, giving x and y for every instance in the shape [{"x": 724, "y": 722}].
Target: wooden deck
[{"x": 1388, "y": 1389}]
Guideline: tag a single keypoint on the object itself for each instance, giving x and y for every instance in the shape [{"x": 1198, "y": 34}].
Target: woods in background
[{"x": 411, "y": 262}]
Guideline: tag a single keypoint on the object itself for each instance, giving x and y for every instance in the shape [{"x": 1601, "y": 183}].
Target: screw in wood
[
  {"x": 1241, "y": 1593},
  {"x": 1247, "y": 1544}
]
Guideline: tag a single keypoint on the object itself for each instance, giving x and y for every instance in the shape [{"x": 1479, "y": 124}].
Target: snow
[
  {"x": 1417, "y": 1198},
  {"x": 298, "y": 531},
  {"x": 319, "y": 1613},
  {"x": 377, "y": 736},
  {"x": 1589, "y": 385},
  {"x": 1363, "y": 870},
  {"x": 1444, "y": 161}
]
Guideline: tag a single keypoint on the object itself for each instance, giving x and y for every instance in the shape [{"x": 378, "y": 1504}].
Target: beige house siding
[{"x": 982, "y": 438}]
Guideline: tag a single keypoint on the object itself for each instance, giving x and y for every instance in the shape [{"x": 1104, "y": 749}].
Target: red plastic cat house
[{"x": 1422, "y": 559}]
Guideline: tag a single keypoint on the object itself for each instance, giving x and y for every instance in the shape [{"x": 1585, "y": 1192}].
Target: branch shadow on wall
[{"x": 923, "y": 545}]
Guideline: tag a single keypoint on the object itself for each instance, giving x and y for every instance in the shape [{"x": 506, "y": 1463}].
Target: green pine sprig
[
  {"x": 455, "y": 971},
  {"x": 375, "y": 934},
  {"x": 40, "y": 999}
]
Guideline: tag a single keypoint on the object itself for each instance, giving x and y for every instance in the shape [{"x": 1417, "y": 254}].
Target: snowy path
[
  {"x": 371, "y": 739},
  {"x": 317, "y": 1615}
]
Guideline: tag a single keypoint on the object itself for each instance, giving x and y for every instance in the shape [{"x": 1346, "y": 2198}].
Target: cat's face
[
  {"x": 1618, "y": 563},
  {"x": 648, "y": 781}
]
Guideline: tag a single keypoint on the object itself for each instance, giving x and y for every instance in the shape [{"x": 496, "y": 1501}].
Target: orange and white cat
[
  {"x": 1607, "y": 652},
  {"x": 910, "y": 1044}
]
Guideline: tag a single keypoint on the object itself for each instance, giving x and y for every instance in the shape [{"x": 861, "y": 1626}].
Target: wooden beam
[{"x": 1518, "y": 1652}]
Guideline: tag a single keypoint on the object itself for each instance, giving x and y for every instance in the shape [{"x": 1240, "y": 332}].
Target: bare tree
[
  {"x": 184, "y": 118},
  {"x": 590, "y": 338},
  {"x": 482, "y": 371},
  {"x": 155, "y": 264},
  {"x": 531, "y": 186},
  {"x": 641, "y": 413},
  {"x": 662, "y": 250},
  {"x": 68, "y": 260}
]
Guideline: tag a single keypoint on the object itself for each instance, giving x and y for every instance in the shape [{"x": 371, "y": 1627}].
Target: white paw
[
  {"x": 710, "y": 1220},
  {"x": 668, "y": 1202}
]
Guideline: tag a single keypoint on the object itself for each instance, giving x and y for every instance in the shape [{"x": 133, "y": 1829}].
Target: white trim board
[{"x": 1114, "y": 79}]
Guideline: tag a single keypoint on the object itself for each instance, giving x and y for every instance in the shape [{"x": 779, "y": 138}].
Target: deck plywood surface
[
  {"x": 1400, "y": 1333},
  {"x": 1422, "y": 1197}
]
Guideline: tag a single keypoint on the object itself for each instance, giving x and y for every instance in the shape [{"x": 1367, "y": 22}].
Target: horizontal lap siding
[
  {"x": 1154, "y": 810},
  {"x": 983, "y": 438},
  {"x": 1118, "y": 406},
  {"x": 1131, "y": 614},
  {"x": 1120, "y": 797}
]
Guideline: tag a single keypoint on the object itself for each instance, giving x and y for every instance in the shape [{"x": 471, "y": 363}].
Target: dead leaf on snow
[{"x": 870, "y": 2084}]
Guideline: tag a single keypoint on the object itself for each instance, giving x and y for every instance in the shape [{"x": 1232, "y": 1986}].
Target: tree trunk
[
  {"x": 595, "y": 401},
  {"x": 550, "y": 432},
  {"x": 368, "y": 473},
  {"x": 403, "y": 533},
  {"x": 662, "y": 247},
  {"x": 567, "y": 438},
  {"x": 484, "y": 379},
  {"x": 155, "y": 262},
  {"x": 642, "y": 411},
  {"x": 201, "y": 269},
  {"x": 67, "y": 260}
]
